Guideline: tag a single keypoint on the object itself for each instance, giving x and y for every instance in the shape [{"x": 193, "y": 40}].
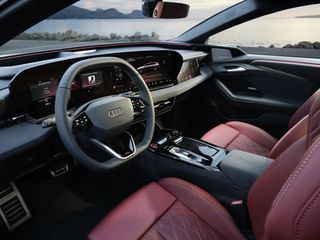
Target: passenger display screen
[{"x": 189, "y": 69}]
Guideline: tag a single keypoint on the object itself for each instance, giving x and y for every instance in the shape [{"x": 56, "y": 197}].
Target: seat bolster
[
  {"x": 295, "y": 211},
  {"x": 268, "y": 185},
  {"x": 254, "y": 133},
  {"x": 134, "y": 216},
  {"x": 204, "y": 205}
]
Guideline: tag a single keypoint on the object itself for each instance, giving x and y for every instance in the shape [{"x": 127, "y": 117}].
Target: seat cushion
[
  {"x": 170, "y": 209},
  {"x": 241, "y": 136}
]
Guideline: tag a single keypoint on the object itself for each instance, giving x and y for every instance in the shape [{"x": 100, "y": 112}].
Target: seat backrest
[
  {"x": 298, "y": 126},
  {"x": 295, "y": 133},
  {"x": 303, "y": 110},
  {"x": 285, "y": 200}
]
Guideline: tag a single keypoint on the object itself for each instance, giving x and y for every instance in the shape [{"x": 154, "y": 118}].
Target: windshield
[{"x": 108, "y": 21}]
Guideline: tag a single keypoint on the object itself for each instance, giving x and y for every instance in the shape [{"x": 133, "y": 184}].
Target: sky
[{"x": 198, "y": 8}]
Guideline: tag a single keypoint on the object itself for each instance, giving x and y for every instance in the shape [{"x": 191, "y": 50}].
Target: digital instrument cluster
[{"x": 35, "y": 89}]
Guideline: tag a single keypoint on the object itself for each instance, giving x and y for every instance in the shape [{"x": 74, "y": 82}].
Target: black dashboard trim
[
  {"x": 30, "y": 135},
  {"x": 176, "y": 90}
]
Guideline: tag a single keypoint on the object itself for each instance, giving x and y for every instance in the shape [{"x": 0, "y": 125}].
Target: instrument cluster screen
[{"x": 91, "y": 80}]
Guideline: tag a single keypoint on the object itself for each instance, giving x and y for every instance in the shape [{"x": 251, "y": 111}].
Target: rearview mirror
[{"x": 160, "y": 9}]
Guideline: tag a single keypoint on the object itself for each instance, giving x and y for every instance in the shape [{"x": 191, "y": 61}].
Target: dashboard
[
  {"x": 34, "y": 89},
  {"x": 28, "y": 88}
]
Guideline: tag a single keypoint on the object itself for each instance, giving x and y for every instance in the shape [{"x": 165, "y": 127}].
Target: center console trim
[{"x": 168, "y": 145}]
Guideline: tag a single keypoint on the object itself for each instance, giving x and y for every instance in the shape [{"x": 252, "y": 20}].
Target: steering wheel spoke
[
  {"x": 139, "y": 106},
  {"x": 128, "y": 142},
  {"x": 81, "y": 122}
]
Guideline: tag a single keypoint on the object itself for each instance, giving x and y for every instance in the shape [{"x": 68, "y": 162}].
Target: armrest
[{"x": 243, "y": 168}]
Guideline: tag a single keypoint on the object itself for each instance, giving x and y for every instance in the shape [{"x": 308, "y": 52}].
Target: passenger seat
[{"x": 246, "y": 137}]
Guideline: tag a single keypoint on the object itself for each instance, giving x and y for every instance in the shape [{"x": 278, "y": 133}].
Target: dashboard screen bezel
[{"x": 20, "y": 86}]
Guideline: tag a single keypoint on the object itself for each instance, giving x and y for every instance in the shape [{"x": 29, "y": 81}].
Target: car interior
[{"x": 175, "y": 139}]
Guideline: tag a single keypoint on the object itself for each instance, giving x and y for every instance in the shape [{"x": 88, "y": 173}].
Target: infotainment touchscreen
[{"x": 153, "y": 69}]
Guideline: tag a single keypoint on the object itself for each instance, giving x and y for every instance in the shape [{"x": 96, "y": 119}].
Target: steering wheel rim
[{"x": 64, "y": 121}]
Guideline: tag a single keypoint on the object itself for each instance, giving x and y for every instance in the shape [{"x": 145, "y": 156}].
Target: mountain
[
  {"x": 309, "y": 16},
  {"x": 73, "y": 12},
  {"x": 136, "y": 14}
]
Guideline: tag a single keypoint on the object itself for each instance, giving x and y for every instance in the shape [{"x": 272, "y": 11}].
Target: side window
[{"x": 294, "y": 30}]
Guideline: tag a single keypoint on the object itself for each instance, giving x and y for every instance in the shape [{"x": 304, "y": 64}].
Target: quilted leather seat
[
  {"x": 169, "y": 209},
  {"x": 284, "y": 202},
  {"x": 246, "y": 137}
]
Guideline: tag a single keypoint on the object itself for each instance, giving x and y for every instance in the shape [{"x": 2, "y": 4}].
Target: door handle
[{"x": 235, "y": 69}]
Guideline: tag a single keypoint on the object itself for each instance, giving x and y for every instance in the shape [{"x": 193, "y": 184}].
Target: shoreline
[{"x": 13, "y": 47}]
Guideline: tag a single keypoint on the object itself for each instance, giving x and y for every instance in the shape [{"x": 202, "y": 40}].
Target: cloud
[
  {"x": 124, "y": 6},
  {"x": 130, "y": 5},
  {"x": 198, "y": 8}
]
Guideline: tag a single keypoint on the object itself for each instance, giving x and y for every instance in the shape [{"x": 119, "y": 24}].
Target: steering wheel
[{"x": 103, "y": 118}]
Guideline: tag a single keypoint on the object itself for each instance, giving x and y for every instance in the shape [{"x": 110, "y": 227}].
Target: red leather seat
[
  {"x": 284, "y": 202},
  {"x": 169, "y": 209},
  {"x": 246, "y": 137}
]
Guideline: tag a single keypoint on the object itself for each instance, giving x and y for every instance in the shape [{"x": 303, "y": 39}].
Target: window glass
[
  {"x": 100, "y": 21},
  {"x": 294, "y": 28}
]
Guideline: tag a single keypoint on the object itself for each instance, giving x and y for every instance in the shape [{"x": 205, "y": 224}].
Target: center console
[
  {"x": 239, "y": 168},
  {"x": 226, "y": 174},
  {"x": 195, "y": 152}
]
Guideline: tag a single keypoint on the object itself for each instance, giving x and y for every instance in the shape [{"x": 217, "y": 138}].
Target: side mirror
[{"x": 160, "y": 9}]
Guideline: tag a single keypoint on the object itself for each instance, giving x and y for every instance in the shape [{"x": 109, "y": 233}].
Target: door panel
[
  {"x": 260, "y": 87},
  {"x": 261, "y": 90}
]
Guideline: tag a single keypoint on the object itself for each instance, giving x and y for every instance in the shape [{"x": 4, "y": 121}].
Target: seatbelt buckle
[
  {"x": 237, "y": 202},
  {"x": 239, "y": 213}
]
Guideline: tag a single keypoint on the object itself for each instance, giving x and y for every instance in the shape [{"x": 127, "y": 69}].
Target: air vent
[
  {"x": 6, "y": 190},
  {"x": 13, "y": 209}
]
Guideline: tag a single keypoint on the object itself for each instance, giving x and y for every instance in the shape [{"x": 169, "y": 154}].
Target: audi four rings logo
[{"x": 115, "y": 112}]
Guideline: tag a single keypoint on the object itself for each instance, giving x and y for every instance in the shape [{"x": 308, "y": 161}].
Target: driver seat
[{"x": 283, "y": 203}]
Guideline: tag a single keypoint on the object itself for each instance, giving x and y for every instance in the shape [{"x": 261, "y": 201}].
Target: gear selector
[{"x": 189, "y": 150}]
